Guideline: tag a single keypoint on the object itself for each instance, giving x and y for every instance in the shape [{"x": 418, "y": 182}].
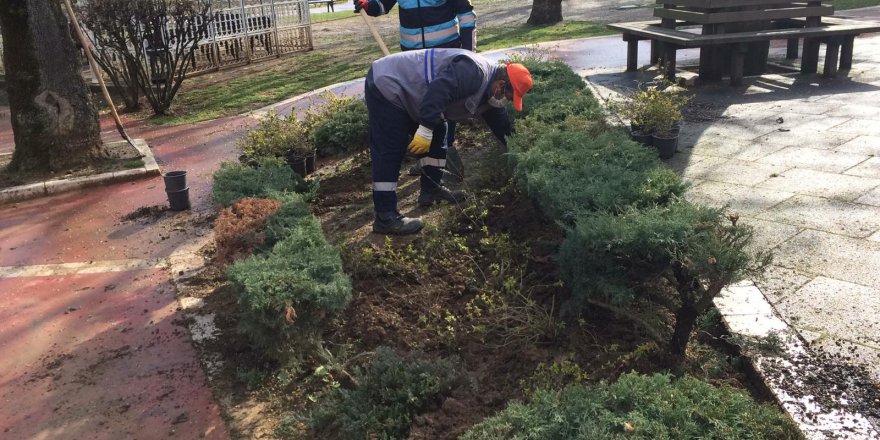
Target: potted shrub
[
  {"x": 662, "y": 118},
  {"x": 274, "y": 136},
  {"x": 633, "y": 108}
]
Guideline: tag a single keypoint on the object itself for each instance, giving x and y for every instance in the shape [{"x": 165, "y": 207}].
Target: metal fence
[{"x": 243, "y": 31}]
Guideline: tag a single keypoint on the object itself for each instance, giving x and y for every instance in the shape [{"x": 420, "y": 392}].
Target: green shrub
[
  {"x": 638, "y": 407},
  {"x": 557, "y": 105},
  {"x": 568, "y": 172},
  {"x": 289, "y": 292},
  {"x": 552, "y": 75},
  {"x": 343, "y": 127},
  {"x": 390, "y": 393},
  {"x": 610, "y": 258},
  {"x": 269, "y": 177}
]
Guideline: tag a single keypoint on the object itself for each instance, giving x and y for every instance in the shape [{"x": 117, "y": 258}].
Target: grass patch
[
  {"x": 840, "y": 5},
  {"x": 332, "y": 16},
  {"x": 134, "y": 163},
  {"x": 507, "y": 36},
  {"x": 256, "y": 88},
  {"x": 205, "y": 97}
]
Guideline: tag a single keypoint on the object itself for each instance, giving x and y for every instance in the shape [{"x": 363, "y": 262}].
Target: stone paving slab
[
  {"x": 817, "y": 139},
  {"x": 867, "y": 145},
  {"x": 819, "y": 302},
  {"x": 858, "y": 111},
  {"x": 732, "y": 171},
  {"x": 829, "y": 215},
  {"x": 769, "y": 234},
  {"x": 821, "y": 184},
  {"x": 780, "y": 282},
  {"x": 868, "y": 127},
  {"x": 868, "y": 168},
  {"x": 735, "y": 149},
  {"x": 870, "y": 198},
  {"x": 814, "y": 159},
  {"x": 833, "y": 256},
  {"x": 742, "y": 199}
]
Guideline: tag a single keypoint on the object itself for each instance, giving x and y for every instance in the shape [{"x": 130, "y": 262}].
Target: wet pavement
[{"x": 92, "y": 344}]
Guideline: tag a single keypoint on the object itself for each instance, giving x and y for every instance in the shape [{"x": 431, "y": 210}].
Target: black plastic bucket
[
  {"x": 298, "y": 165},
  {"x": 665, "y": 146},
  {"x": 174, "y": 180},
  {"x": 178, "y": 200},
  {"x": 642, "y": 138},
  {"x": 311, "y": 163}
]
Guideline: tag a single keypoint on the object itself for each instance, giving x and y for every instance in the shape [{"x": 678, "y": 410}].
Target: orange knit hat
[{"x": 520, "y": 81}]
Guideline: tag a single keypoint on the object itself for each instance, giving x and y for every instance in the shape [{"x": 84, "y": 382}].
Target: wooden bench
[
  {"x": 329, "y": 3},
  {"x": 734, "y": 35}
]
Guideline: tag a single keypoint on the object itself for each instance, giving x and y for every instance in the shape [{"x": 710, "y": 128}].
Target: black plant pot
[
  {"x": 312, "y": 163},
  {"x": 676, "y": 128},
  {"x": 174, "y": 180},
  {"x": 665, "y": 146},
  {"x": 178, "y": 200},
  {"x": 642, "y": 138}
]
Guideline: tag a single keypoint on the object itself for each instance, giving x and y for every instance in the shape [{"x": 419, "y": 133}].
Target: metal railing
[{"x": 249, "y": 30}]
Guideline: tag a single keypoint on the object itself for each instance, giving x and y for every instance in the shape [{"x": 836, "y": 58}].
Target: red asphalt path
[{"x": 105, "y": 355}]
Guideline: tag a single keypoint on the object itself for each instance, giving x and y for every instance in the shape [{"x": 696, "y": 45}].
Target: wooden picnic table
[{"x": 734, "y": 35}]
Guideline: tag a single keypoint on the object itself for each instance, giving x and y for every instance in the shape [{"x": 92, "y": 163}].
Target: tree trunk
[
  {"x": 545, "y": 12},
  {"x": 54, "y": 123},
  {"x": 685, "y": 320}
]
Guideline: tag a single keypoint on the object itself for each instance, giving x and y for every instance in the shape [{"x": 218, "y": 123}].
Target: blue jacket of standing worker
[{"x": 429, "y": 23}]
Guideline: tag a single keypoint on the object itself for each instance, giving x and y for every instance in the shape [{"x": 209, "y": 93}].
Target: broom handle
[
  {"x": 86, "y": 44},
  {"x": 373, "y": 31}
]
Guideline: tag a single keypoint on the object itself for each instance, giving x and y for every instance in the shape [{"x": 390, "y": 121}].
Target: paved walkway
[
  {"x": 92, "y": 347},
  {"x": 92, "y": 343},
  {"x": 799, "y": 158}
]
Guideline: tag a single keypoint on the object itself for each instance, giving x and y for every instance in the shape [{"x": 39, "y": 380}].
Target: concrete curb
[
  {"x": 51, "y": 187},
  {"x": 746, "y": 313}
]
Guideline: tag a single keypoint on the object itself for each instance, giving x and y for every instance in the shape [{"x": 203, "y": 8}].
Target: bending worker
[
  {"x": 427, "y": 24},
  {"x": 410, "y": 97}
]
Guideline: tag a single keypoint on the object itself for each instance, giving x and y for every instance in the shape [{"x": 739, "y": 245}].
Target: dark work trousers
[{"x": 391, "y": 130}]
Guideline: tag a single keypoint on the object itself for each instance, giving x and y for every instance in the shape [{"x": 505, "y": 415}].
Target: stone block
[
  {"x": 870, "y": 198},
  {"x": 22, "y": 192},
  {"x": 732, "y": 171},
  {"x": 769, "y": 234},
  {"x": 742, "y": 199},
  {"x": 829, "y": 215},
  {"x": 814, "y": 159},
  {"x": 868, "y": 168},
  {"x": 868, "y": 127},
  {"x": 833, "y": 256},
  {"x": 779, "y": 282},
  {"x": 836, "y": 308},
  {"x": 821, "y": 184},
  {"x": 736, "y": 149},
  {"x": 816, "y": 139},
  {"x": 867, "y": 145}
]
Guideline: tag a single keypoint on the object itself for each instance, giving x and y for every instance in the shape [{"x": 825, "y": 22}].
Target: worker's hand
[
  {"x": 421, "y": 142},
  {"x": 361, "y": 4}
]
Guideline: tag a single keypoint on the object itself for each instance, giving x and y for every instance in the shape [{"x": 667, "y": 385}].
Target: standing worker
[
  {"x": 426, "y": 24},
  {"x": 410, "y": 97}
]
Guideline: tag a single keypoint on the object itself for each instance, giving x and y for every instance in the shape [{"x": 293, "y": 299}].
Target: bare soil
[{"x": 410, "y": 310}]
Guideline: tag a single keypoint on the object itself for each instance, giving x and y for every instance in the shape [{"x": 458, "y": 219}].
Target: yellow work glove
[{"x": 421, "y": 142}]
